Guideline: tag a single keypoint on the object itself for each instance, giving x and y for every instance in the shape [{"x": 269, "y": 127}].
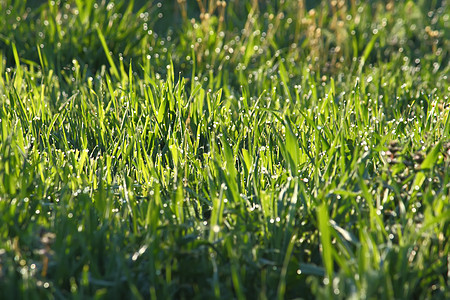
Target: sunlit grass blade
[
  {"x": 112, "y": 64},
  {"x": 325, "y": 238}
]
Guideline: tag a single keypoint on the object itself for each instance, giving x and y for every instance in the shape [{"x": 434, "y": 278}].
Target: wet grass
[{"x": 212, "y": 149}]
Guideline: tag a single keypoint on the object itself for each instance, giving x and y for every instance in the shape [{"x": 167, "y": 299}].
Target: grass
[{"x": 239, "y": 149}]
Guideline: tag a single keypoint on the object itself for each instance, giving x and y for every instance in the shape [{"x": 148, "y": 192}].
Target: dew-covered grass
[{"x": 224, "y": 149}]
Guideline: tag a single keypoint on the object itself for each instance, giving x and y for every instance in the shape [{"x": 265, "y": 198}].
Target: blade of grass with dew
[
  {"x": 325, "y": 238},
  {"x": 112, "y": 64},
  {"x": 428, "y": 163}
]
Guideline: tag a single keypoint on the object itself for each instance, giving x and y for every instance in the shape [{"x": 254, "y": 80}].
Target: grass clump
[{"x": 249, "y": 149}]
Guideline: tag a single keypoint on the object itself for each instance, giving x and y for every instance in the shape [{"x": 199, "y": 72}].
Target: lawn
[{"x": 224, "y": 149}]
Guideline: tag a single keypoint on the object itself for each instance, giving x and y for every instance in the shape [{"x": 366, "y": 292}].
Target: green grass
[{"x": 239, "y": 149}]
